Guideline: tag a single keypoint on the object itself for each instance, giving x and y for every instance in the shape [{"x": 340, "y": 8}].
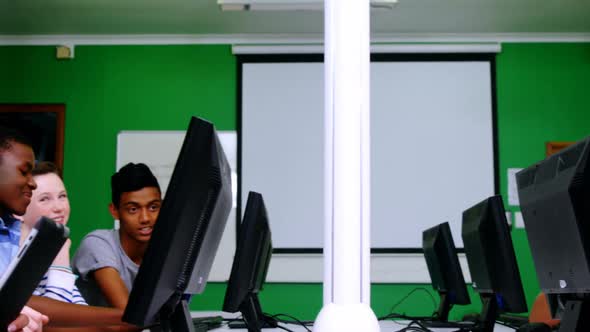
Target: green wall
[
  {"x": 542, "y": 96},
  {"x": 109, "y": 89}
]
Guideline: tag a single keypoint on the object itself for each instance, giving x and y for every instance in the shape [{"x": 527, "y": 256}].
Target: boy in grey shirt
[{"x": 107, "y": 260}]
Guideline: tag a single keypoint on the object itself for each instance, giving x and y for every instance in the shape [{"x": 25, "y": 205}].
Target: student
[
  {"x": 107, "y": 260},
  {"x": 16, "y": 189},
  {"x": 16, "y": 185},
  {"x": 50, "y": 199}
]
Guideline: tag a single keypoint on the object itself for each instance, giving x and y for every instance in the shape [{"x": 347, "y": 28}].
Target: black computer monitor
[
  {"x": 444, "y": 268},
  {"x": 491, "y": 260},
  {"x": 250, "y": 266},
  {"x": 186, "y": 235},
  {"x": 555, "y": 203}
]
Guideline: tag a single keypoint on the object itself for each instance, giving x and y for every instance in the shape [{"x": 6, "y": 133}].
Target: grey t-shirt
[{"x": 99, "y": 249}]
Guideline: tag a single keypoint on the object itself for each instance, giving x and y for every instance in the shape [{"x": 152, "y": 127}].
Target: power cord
[
  {"x": 394, "y": 316},
  {"x": 512, "y": 326},
  {"x": 416, "y": 321},
  {"x": 273, "y": 321},
  {"x": 392, "y": 310},
  {"x": 415, "y": 326},
  {"x": 292, "y": 320},
  {"x": 284, "y": 328}
]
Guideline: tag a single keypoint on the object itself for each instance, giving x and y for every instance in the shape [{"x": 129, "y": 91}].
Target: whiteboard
[
  {"x": 284, "y": 90},
  {"x": 143, "y": 146},
  {"x": 432, "y": 147},
  {"x": 159, "y": 151}
]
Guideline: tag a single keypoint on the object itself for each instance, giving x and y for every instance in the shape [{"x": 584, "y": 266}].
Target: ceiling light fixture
[{"x": 289, "y": 5}]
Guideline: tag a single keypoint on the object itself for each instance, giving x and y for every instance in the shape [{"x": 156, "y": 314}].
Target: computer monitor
[
  {"x": 491, "y": 260},
  {"x": 555, "y": 203},
  {"x": 250, "y": 265},
  {"x": 186, "y": 235},
  {"x": 444, "y": 268}
]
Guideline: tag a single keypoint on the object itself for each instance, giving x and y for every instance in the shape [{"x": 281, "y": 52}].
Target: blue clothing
[
  {"x": 9, "y": 240},
  {"x": 58, "y": 283}
]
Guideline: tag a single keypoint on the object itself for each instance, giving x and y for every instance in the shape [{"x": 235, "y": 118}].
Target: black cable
[
  {"x": 419, "y": 323},
  {"x": 409, "y": 327},
  {"x": 232, "y": 319},
  {"x": 400, "y": 318},
  {"x": 512, "y": 326},
  {"x": 405, "y": 317},
  {"x": 240, "y": 318},
  {"x": 392, "y": 310},
  {"x": 284, "y": 328},
  {"x": 400, "y": 323},
  {"x": 416, "y": 325},
  {"x": 302, "y": 322},
  {"x": 294, "y": 320}
]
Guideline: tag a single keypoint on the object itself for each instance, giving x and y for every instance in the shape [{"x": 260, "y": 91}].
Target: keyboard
[
  {"x": 512, "y": 319},
  {"x": 203, "y": 324},
  {"x": 445, "y": 324}
]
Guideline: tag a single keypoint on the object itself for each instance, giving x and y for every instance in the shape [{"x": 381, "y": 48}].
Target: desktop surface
[{"x": 386, "y": 326}]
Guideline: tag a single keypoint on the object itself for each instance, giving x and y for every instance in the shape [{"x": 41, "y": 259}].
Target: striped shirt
[{"x": 59, "y": 283}]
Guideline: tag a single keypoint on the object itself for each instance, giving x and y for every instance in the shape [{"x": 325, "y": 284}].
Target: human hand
[
  {"x": 29, "y": 320},
  {"x": 63, "y": 257},
  {"x": 19, "y": 323}
]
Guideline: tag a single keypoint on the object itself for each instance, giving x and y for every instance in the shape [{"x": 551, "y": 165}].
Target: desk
[{"x": 386, "y": 326}]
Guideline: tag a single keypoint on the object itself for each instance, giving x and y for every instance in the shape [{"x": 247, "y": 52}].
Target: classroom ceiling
[{"x": 59, "y": 17}]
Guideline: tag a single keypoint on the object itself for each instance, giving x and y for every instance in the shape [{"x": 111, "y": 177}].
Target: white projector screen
[{"x": 432, "y": 147}]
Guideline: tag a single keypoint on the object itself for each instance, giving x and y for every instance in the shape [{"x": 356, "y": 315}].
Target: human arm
[
  {"x": 93, "y": 329},
  {"x": 64, "y": 314},
  {"x": 112, "y": 287},
  {"x": 97, "y": 262},
  {"x": 63, "y": 256}
]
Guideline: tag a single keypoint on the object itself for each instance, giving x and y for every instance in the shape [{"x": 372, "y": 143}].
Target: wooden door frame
[{"x": 59, "y": 110}]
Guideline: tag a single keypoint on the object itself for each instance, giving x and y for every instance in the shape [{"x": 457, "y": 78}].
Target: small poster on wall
[{"x": 512, "y": 187}]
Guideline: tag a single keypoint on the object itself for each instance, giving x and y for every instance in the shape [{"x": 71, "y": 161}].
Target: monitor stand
[
  {"x": 240, "y": 324},
  {"x": 442, "y": 314},
  {"x": 180, "y": 320},
  {"x": 576, "y": 316},
  {"x": 441, "y": 320},
  {"x": 253, "y": 318},
  {"x": 489, "y": 313}
]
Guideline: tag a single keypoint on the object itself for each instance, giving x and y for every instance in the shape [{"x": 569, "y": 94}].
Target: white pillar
[{"x": 347, "y": 160}]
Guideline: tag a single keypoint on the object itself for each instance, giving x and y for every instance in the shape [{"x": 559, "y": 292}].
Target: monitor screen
[
  {"x": 250, "y": 265},
  {"x": 187, "y": 233},
  {"x": 444, "y": 268},
  {"x": 491, "y": 259},
  {"x": 555, "y": 203}
]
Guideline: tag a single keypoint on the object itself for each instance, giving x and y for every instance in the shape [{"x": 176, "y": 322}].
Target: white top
[{"x": 59, "y": 283}]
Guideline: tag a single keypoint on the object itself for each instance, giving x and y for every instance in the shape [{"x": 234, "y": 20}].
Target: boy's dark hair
[
  {"x": 131, "y": 177},
  {"x": 9, "y": 136},
  {"x": 46, "y": 167}
]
